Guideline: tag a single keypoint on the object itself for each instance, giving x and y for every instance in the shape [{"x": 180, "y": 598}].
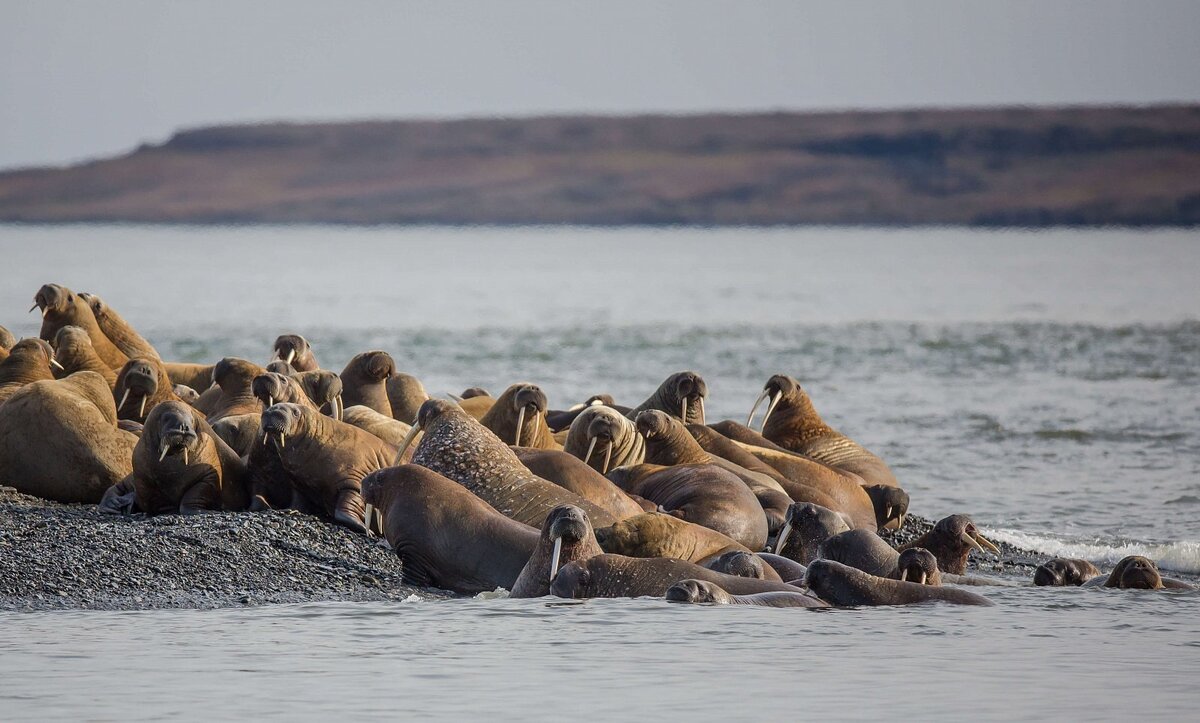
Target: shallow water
[{"x": 1044, "y": 383}]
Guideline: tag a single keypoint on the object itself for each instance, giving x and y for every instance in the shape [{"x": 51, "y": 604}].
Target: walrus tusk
[
  {"x": 782, "y": 539},
  {"x": 341, "y": 407},
  {"x": 591, "y": 448},
  {"x": 887, "y": 517},
  {"x": 408, "y": 438},
  {"x": 554, "y": 555},
  {"x": 281, "y": 442},
  {"x": 124, "y": 398},
  {"x": 163, "y": 456},
  {"x": 291, "y": 355},
  {"x": 607, "y": 457},
  {"x": 923, "y": 577},
  {"x": 368, "y": 514},
  {"x": 142, "y": 408},
  {"x": 750, "y": 417},
  {"x": 901, "y": 525},
  {"x": 683, "y": 416},
  {"x": 45, "y": 311},
  {"x": 520, "y": 422},
  {"x": 270, "y": 401},
  {"x": 185, "y": 460},
  {"x": 32, "y": 308},
  {"x": 904, "y": 575},
  {"x": 54, "y": 363},
  {"x": 971, "y": 542},
  {"x": 264, "y": 439},
  {"x": 700, "y": 401},
  {"x": 987, "y": 543},
  {"x": 774, "y": 400}
]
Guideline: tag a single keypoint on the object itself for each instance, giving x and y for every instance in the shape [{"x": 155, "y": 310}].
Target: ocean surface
[{"x": 1045, "y": 383}]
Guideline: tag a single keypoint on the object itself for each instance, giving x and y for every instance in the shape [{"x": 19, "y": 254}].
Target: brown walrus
[
  {"x": 842, "y": 585},
  {"x": 890, "y": 503},
  {"x": 446, "y": 536},
  {"x": 566, "y": 536},
  {"x": 476, "y": 402},
  {"x": 294, "y": 350},
  {"x": 363, "y": 381},
  {"x": 325, "y": 461},
  {"x": 806, "y": 527},
  {"x": 704, "y": 494},
  {"x": 704, "y": 592},
  {"x": 658, "y": 534},
  {"x": 605, "y": 439},
  {"x": 462, "y": 449},
  {"x": 519, "y": 418},
  {"x": 196, "y": 376},
  {"x": 792, "y": 422},
  {"x": 680, "y": 395},
  {"x": 916, "y": 564},
  {"x": 1137, "y": 573},
  {"x": 59, "y": 439},
  {"x": 241, "y": 432},
  {"x": 561, "y": 419},
  {"x": 234, "y": 379},
  {"x": 572, "y": 474},
  {"x": 392, "y": 431},
  {"x": 406, "y": 394},
  {"x": 141, "y": 384},
  {"x": 864, "y": 550},
  {"x": 62, "y": 307},
  {"x": 619, "y": 576},
  {"x": 1064, "y": 571},
  {"x": 29, "y": 361},
  {"x": 324, "y": 388},
  {"x": 951, "y": 541},
  {"x": 272, "y": 387},
  {"x": 740, "y": 563},
  {"x": 7, "y": 340},
  {"x": 181, "y": 466},
  {"x": 73, "y": 351},
  {"x": 120, "y": 332}
]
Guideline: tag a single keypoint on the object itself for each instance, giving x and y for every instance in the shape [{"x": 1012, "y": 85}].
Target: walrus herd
[{"x": 482, "y": 492}]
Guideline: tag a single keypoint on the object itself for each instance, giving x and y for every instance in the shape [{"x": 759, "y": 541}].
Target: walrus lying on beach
[
  {"x": 519, "y": 418},
  {"x": 658, "y": 534},
  {"x": 29, "y": 361},
  {"x": 406, "y": 394},
  {"x": 704, "y": 592},
  {"x": 232, "y": 393},
  {"x": 842, "y": 585},
  {"x": 364, "y": 381},
  {"x": 59, "y": 439},
  {"x": 141, "y": 384},
  {"x": 572, "y": 474},
  {"x": 680, "y": 395},
  {"x": 62, "y": 307},
  {"x": 561, "y": 419},
  {"x": 294, "y": 351}
]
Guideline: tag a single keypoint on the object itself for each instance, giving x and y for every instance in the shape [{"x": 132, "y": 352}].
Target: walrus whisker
[
  {"x": 408, "y": 438},
  {"x": 774, "y": 400},
  {"x": 607, "y": 457},
  {"x": 591, "y": 448},
  {"x": 124, "y": 398},
  {"x": 554, "y": 556},
  {"x": 520, "y": 422},
  {"x": 750, "y": 417},
  {"x": 163, "y": 456},
  {"x": 782, "y": 539}
]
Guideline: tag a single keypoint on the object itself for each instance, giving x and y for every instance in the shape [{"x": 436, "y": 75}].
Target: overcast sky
[{"x": 86, "y": 79}]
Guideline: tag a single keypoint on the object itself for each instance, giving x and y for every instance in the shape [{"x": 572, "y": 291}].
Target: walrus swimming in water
[
  {"x": 619, "y": 576},
  {"x": 792, "y": 422},
  {"x": 519, "y": 418},
  {"x": 604, "y": 440},
  {"x": 363, "y": 381},
  {"x": 1137, "y": 573},
  {"x": 59, "y": 439},
  {"x": 406, "y": 394},
  {"x": 294, "y": 350},
  {"x": 680, "y": 395},
  {"x": 951, "y": 541},
  {"x": 566, "y": 536},
  {"x": 467, "y": 452},
  {"x": 120, "y": 332},
  {"x": 7, "y": 340},
  {"x": 446, "y": 536},
  {"x": 141, "y": 384},
  {"x": 572, "y": 474},
  {"x": 62, "y": 307},
  {"x": 842, "y": 585},
  {"x": 29, "y": 361},
  {"x": 806, "y": 527},
  {"x": 73, "y": 351},
  {"x": 1064, "y": 571},
  {"x": 325, "y": 461},
  {"x": 658, "y": 534},
  {"x": 704, "y": 592},
  {"x": 740, "y": 563}
]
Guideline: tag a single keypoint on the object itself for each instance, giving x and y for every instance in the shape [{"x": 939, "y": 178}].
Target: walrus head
[
  {"x": 604, "y": 428},
  {"x": 951, "y": 541},
  {"x": 1135, "y": 573},
  {"x": 565, "y": 527},
  {"x": 324, "y": 389},
  {"x": 653, "y": 423},
  {"x": 918, "y": 565},
  {"x": 279, "y": 422},
  {"x": 472, "y": 392},
  {"x": 740, "y": 563},
  {"x": 271, "y": 387},
  {"x": 137, "y": 383},
  {"x": 374, "y": 366},
  {"x": 778, "y": 388},
  {"x": 573, "y": 581},
  {"x": 1062, "y": 571},
  {"x": 806, "y": 526},
  {"x": 527, "y": 400},
  {"x": 73, "y": 346},
  {"x": 890, "y": 504},
  {"x": 294, "y": 351},
  {"x": 685, "y": 391},
  {"x": 33, "y": 352},
  {"x": 95, "y": 303},
  {"x": 170, "y": 430},
  {"x": 53, "y": 298},
  {"x": 696, "y": 591},
  {"x": 7, "y": 340},
  {"x": 186, "y": 393},
  {"x": 234, "y": 375},
  {"x": 429, "y": 413},
  {"x": 279, "y": 366}
]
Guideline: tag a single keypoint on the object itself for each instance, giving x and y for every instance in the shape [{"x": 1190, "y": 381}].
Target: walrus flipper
[
  {"x": 120, "y": 499},
  {"x": 350, "y": 510},
  {"x": 202, "y": 496}
]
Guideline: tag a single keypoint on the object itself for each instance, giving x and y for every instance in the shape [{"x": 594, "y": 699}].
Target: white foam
[{"x": 1182, "y": 556}]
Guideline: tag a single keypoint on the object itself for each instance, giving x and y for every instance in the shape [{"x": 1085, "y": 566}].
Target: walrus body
[
  {"x": 120, "y": 332},
  {"x": 141, "y": 384},
  {"x": 406, "y": 394},
  {"x": 704, "y": 592},
  {"x": 806, "y": 527},
  {"x": 604, "y": 440},
  {"x": 519, "y": 418},
  {"x": 446, "y": 536},
  {"x": 73, "y": 351},
  {"x": 842, "y": 585},
  {"x": 392, "y": 431},
  {"x": 658, "y": 534},
  {"x": 740, "y": 563},
  {"x": 566, "y": 537},
  {"x": 234, "y": 393},
  {"x": 241, "y": 432},
  {"x": 29, "y": 361},
  {"x": 196, "y": 376},
  {"x": 364, "y": 381},
  {"x": 62, "y": 307},
  {"x": 572, "y": 474},
  {"x": 619, "y": 576},
  {"x": 951, "y": 541},
  {"x": 562, "y": 419},
  {"x": 59, "y": 439},
  {"x": 323, "y": 388}
]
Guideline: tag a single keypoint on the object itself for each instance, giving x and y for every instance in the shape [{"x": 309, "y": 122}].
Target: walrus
[
  {"x": 446, "y": 536},
  {"x": 241, "y": 433},
  {"x": 668, "y": 443},
  {"x": 363, "y": 381},
  {"x": 62, "y": 307},
  {"x": 572, "y": 474},
  {"x": 462, "y": 449},
  {"x": 196, "y": 376},
  {"x": 325, "y": 461},
  {"x": 120, "y": 332},
  {"x": 406, "y": 394},
  {"x": 806, "y": 527},
  {"x": 29, "y": 361},
  {"x": 324, "y": 388},
  {"x": 704, "y": 592},
  {"x": 658, "y": 534},
  {"x": 1137, "y": 573},
  {"x": 704, "y": 494},
  {"x": 7, "y": 340},
  {"x": 740, "y": 563},
  {"x": 890, "y": 504},
  {"x": 916, "y": 564},
  {"x": 619, "y": 576},
  {"x": 950, "y": 541},
  {"x": 185, "y": 393},
  {"x": 788, "y": 570},
  {"x": 519, "y": 418},
  {"x": 472, "y": 392},
  {"x": 844, "y": 586},
  {"x": 295, "y": 351},
  {"x": 566, "y": 536},
  {"x": 74, "y": 353},
  {"x": 1064, "y": 571},
  {"x": 866, "y": 551},
  {"x": 271, "y": 387},
  {"x": 477, "y": 403},
  {"x": 560, "y": 419},
  {"x": 392, "y": 431},
  {"x": 792, "y": 422},
  {"x": 59, "y": 439},
  {"x": 181, "y": 466},
  {"x": 140, "y": 385},
  {"x": 604, "y": 439},
  {"x": 681, "y": 395},
  {"x": 233, "y": 378}
]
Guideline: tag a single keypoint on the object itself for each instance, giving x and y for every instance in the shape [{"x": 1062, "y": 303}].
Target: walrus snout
[
  {"x": 290, "y": 348},
  {"x": 890, "y": 505},
  {"x": 918, "y": 565},
  {"x": 569, "y": 523},
  {"x": 279, "y": 422},
  {"x": 269, "y": 387},
  {"x": 1052, "y": 573},
  {"x": 1139, "y": 573},
  {"x": 689, "y": 591},
  {"x": 691, "y": 390},
  {"x": 51, "y": 297},
  {"x": 530, "y": 396},
  {"x": 651, "y": 423}
]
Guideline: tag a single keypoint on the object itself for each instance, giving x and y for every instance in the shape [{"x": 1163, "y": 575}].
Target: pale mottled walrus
[
  {"x": 680, "y": 395},
  {"x": 704, "y": 592},
  {"x": 62, "y": 307},
  {"x": 120, "y": 332},
  {"x": 619, "y": 576},
  {"x": 566, "y": 536},
  {"x": 605, "y": 439},
  {"x": 842, "y": 585},
  {"x": 519, "y": 418},
  {"x": 364, "y": 381}
]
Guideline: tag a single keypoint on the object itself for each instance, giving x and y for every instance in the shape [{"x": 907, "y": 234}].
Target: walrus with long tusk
[
  {"x": 364, "y": 381},
  {"x": 446, "y": 536},
  {"x": 805, "y": 528},
  {"x": 701, "y": 592},
  {"x": 916, "y": 564},
  {"x": 846, "y": 586},
  {"x": 951, "y": 541},
  {"x": 604, "y": 439},
  {"x": 866, "y": 551},
  {"x": 459, "y": 447},
  {"x": 566, "y": 536},
  {"x": 681, "y": 395},
  {"x": 181, "y": 466},
  {"x": 792, "y": 422},
  {"x": 29, "y": 361},
  {"x": 120, "y": 332},
  {"x": 324, "y": 388},
  {"x": 74, "y": 353},
  {"x": 271, "y": 387},
  {"x": 62, "y": 307},
  {"x": 519, "y": 418},
  {"x": 141, "y": 384},
  {"x": 295, "y": 351}
]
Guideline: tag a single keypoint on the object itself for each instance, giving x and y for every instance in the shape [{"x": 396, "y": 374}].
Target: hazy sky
[{"x": 84, "y": 79}]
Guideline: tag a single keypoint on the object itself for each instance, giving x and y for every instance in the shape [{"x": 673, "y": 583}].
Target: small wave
[{"x": 1182, "y": 556}]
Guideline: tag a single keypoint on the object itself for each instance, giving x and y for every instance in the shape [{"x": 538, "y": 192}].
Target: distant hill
[{"x": 989, "y": 167}]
